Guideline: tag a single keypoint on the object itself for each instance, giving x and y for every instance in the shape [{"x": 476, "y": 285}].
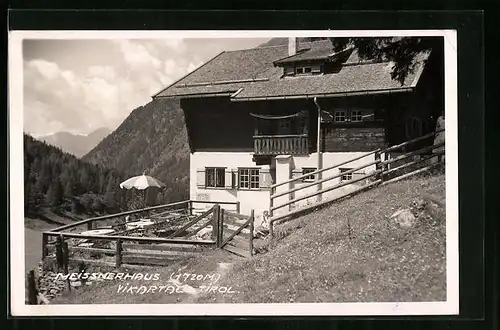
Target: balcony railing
[{"x": 281, "y": 144}]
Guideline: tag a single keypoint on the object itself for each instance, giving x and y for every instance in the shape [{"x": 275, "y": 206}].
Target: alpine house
[{"x": 252, "y": 115}]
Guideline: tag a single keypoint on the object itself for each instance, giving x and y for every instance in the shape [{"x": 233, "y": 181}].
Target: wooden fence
[
  {"x": 118, "y": 249},
  {"x": 386, "y": 170}
]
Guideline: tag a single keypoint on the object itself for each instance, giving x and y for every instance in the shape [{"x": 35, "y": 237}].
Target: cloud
[{"x": 82, "y": 99}]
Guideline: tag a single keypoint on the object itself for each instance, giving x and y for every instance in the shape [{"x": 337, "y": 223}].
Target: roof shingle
[{"x": 253, "y": 72}]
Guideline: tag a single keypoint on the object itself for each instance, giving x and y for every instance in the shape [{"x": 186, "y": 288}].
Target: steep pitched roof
[
  {"x": 250, "y": 74},
  {"x": 323, "y": 53}
]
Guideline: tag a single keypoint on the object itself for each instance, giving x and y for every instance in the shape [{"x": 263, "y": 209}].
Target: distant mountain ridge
[
  {"x": 152, "y": 139},
  {"x": 75, "y": 144}
]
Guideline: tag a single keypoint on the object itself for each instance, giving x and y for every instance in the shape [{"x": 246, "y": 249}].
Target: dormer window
[
  {"x": 322, "y": 60},
  {"x": 303, "y": 70},
  {"x": 306, "y": 70}
]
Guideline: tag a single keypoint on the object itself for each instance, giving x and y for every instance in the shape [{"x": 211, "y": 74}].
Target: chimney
[{"x": 292, "y": 46}]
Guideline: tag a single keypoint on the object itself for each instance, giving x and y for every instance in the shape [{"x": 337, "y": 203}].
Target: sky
[{"x": 80, "y": 85}]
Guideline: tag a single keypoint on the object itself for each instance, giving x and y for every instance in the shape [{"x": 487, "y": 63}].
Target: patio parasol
[{"x": 141, "y": 182}]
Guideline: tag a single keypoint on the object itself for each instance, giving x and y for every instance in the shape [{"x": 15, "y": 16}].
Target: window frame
[
  {"x": 216, "y": 174},
  {"x": 350, "y": 115},
  {"x": 349, "y": 175},
  {"x": 310, "y": 178},
  {"x": 336, "y": 114},
  {"x": 358, "y": 114},
  {"x": 252, "y": 173},
  {"x": 304, "y": 70}
]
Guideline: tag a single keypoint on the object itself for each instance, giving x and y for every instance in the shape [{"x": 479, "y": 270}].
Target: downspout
[{"x": 318, "y": 148}]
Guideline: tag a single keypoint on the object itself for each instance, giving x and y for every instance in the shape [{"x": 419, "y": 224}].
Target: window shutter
[
  {"x": 200, "y": 178},
  {"x": 265, "y": 178},
  {"x": 235, "y": 178},
  {"x": 296, "y": 173},
  {"x": 228, "y": 179}
]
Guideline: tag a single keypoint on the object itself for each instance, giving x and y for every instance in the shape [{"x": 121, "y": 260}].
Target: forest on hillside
[
  {"x": 151, "y": 140},
  {"x": 59, "y": 181}
]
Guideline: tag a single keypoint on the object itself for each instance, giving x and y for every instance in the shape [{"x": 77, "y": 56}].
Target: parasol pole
[{"x": 144, "y": 194}]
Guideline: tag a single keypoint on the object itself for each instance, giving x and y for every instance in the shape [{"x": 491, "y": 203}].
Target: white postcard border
[{"x": 16, "y": 186}]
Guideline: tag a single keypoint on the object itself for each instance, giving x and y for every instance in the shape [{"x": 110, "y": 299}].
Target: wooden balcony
[{"x": 270, "y": 145}]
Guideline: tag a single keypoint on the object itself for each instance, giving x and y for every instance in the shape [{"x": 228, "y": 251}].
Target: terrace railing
[
  {"x": 386, "y": 170},
  {"x": 142, "y": 250}
]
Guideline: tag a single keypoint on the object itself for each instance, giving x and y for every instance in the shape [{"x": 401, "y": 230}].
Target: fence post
[
  {"x": 119, "y": 248},
  {"x": 59, "y": 252},
  {"x": 190, "y": 207},
  {"x": 65, "y": 255},
  {"x": 90, "y": 225},
  {"x": 384, "y": 167},
  {"x": 377, "y": 157},
  {"x": 252, "y": 217},
  {"x": 45, "y": 241},
  {"x": 377, "y": 166},
  {"x": 271, "y": 203},
  {"x": 32, "y": 290},
  {"x": 238, "y": 207},
  {"x": 221, "y": 226},
  {"x": 215, "y": 225}
]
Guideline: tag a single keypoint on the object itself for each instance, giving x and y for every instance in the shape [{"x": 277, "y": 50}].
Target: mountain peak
[{"x": 76, "y": 144}]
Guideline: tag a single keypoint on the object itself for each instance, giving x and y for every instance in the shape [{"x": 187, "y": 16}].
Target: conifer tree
[{"x": 54, "y": 194}]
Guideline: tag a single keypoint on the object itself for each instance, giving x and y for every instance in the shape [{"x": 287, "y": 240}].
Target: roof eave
[
  {"x": 196, "y": 95},
  {"x": 324, "y": 95}
]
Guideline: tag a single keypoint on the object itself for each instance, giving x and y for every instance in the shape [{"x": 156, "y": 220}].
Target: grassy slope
[{"x": 318, "y": 262}]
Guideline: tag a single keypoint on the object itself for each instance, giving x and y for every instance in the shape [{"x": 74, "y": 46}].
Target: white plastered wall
[
  {"x": 328, "y": 159},
  {"x": 258, "y": 200}
]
